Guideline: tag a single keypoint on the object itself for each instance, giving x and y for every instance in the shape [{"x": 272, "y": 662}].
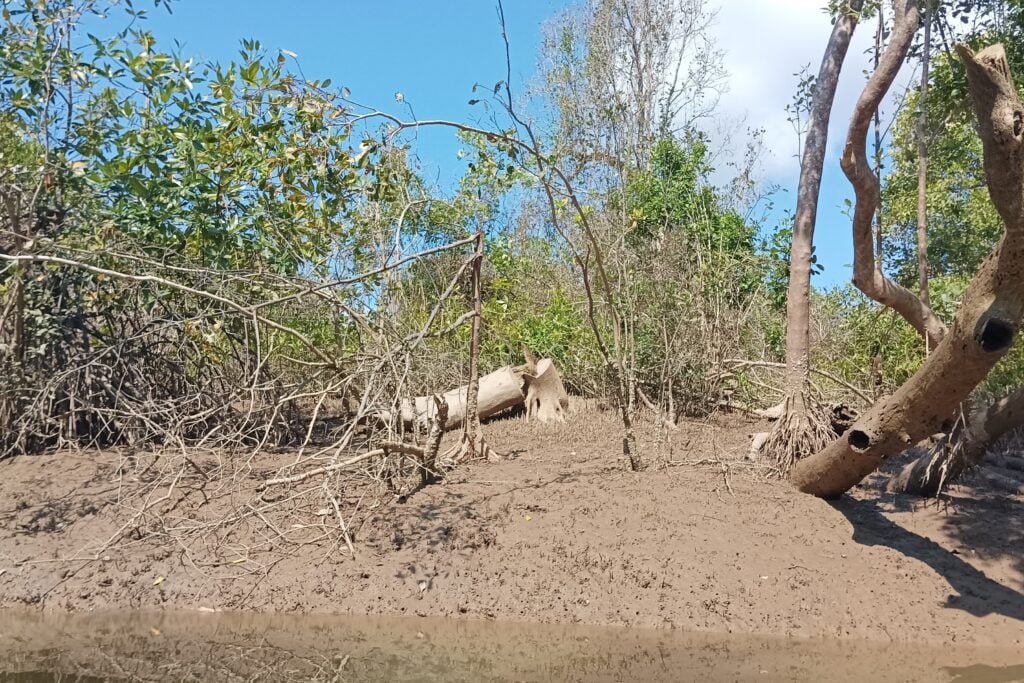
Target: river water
[{"x": 198, "y": 646}]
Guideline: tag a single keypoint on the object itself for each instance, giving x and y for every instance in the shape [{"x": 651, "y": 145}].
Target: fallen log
[
  {"x": 546, "y": 399},
  {"x": 537, "y": 384},
  {"x": 499, "y": 390}
]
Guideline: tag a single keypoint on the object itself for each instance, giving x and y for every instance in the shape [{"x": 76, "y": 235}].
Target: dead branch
[
  {"x": 386, "y": 448},
  {"x": 248, "y": 311},
  {"x": 737, "y": 363}
]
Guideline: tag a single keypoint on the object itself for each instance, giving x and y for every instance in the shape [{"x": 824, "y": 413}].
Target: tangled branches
[{"x": 135, "y": 352}]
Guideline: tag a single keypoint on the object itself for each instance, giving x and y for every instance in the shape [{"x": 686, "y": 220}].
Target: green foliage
[
  {"x": 531, "y": 299},
  {"x": 244, "y": 179},
  {"x": 238, "y": 165},
  {"x": 775, "y": 250},
  {"x": 672, "y": 200},
  {"x": 491, "y": 173},
  {"x": 854, "y": 330},
  {"x": 962, "y": 224},
  {"x": 208, "y": 184}
]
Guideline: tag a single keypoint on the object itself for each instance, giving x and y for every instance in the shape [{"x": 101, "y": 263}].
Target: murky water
[{"x": 140, "y": 646}]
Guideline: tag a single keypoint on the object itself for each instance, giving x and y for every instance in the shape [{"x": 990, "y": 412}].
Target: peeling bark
[{"x": 990, "y": 314}]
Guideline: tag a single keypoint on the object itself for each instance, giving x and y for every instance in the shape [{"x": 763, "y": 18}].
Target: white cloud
[{"x": 765, "y": 43}]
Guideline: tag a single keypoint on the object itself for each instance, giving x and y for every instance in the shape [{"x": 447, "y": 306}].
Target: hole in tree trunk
[
  {"x": 1018, "y": 124},
  {"x": 995, "y": 335},
  {"x": 859, "y": 440}
]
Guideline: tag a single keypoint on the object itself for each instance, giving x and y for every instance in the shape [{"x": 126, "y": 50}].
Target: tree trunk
[
  {"x": 989, "y": 316},
  {"x": 471, "y": 431},
  {"x": 879, "y": 151},
  {"x": 922, "y": 166},
  {"x": 12, "y": 206},
  {"x": 429, "y": 470},
  {"x": 868, "y": 275},
  {"x": 789, "y": 434},
  {"x": 798, "y": 304},
  {"x": 497, "y": 391}
]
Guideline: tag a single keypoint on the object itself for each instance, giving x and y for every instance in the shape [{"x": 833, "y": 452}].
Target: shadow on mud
[{"x": 975, "y": 594}]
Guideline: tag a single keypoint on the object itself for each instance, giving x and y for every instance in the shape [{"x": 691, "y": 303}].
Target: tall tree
[
  {"x": 922, "y": 161},
  {"x": 801, "y": 430},
  {"x": 879, "y": 149},
  {"x": 962, "y": 225},
  {"x": 623, "y": 76}
]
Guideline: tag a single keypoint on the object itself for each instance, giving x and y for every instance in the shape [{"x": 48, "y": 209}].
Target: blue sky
[{"x": 433, "y": 51}]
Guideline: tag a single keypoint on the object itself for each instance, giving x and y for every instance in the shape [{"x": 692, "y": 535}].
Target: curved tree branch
[{"x": 857, "y": 168}]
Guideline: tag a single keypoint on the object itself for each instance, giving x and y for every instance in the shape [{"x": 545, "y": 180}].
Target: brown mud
[{"x": 558, "y": 533}]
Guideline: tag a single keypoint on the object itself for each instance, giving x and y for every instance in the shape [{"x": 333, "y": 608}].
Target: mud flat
[{"x": 557, "y": 533}]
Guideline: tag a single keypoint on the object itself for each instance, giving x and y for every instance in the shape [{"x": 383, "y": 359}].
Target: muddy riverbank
[{"x": 558, "y": 533}]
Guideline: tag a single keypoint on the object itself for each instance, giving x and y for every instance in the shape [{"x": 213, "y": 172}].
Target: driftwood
[
  {"x": 546, "y": 400},
  {"x": 537, "y": 384}
]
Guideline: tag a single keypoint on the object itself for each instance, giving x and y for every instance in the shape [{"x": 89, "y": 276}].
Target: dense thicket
[{"x": 228, "y": 253}]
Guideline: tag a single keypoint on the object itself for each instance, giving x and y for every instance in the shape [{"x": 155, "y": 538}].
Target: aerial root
[{"x": 804, "y": 427}]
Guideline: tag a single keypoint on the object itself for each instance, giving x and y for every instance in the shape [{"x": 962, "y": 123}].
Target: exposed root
[
  {"x": 804, "y": 427},
  {"x": 942, "y": 464},
  {"x": 947, "y": 461},
  {"x": 963, "y": 450},
  {"x": 466, "y": 450},
  {"x": 429, "y": 471}
]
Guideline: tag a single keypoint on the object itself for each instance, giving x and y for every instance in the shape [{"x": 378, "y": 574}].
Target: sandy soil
[{"x": 558, "y": 532}]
